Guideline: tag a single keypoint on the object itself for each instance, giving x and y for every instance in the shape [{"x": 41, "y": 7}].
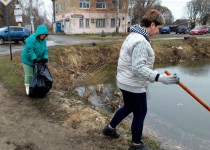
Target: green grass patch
[
  {"x": 103, "y": 35},
  {"x": 10, "y": 73},
  {"x": 152, "y": 143}
]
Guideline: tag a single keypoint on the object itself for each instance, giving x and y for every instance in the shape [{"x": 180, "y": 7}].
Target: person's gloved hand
[
  {"x": 172, "y": 79},
  {"x": 44, "y": 61},
  {"x": 35, "y": 61}
]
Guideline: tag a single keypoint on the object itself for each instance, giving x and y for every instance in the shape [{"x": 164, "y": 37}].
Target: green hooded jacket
[{"x": 35, "y": 48}]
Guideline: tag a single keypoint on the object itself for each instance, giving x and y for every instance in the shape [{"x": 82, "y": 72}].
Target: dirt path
[{"x": 23, "y": 126}]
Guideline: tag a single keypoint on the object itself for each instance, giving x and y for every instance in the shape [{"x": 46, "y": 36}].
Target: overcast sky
[{"x": 177, "y": 7}]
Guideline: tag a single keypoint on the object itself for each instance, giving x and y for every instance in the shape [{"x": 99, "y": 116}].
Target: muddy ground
[{"x": 28, "y": 124}]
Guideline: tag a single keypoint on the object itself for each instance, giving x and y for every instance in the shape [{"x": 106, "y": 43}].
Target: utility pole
[
  {"x": 31, "y": 17},
  {"x": 7, "y": 21},
  {"x": 117, "y": 17},
  {"x": 6, "y": 2},
  {"x": 53, "y": 1}
]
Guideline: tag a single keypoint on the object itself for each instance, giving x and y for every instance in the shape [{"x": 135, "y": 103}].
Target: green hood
[
  {"x": 41, "y": 29},
  {"x": 34, "y": 47}
]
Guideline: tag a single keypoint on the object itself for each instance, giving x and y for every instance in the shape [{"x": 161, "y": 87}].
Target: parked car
[
  {"x": 199, "y": 30},
  {"x": 181, "y": 29},
  {"x": 16, "y": 34},
  {"x": 164, "y": 30}
]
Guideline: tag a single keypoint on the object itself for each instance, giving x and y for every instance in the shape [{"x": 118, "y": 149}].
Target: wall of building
[{"x": 69, "y": 14}]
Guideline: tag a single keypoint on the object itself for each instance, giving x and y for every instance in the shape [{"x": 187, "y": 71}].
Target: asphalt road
[{"x": 54, "y": 40}]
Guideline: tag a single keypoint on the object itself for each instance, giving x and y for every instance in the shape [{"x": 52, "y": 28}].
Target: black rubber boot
[
  {"x": 137, "y": 147},
  {"x": 107, "y": 131}
]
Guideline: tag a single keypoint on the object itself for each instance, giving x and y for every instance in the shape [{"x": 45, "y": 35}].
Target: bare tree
[
  {"x": 40, "y": 15},
  {"x": 147, "y": 3},
  {"x": 198, "y": 12},
  {"x": 192, "y": 8},
  {"x": 11, "y": 7},
  {"x": 166, "y": 13},
  {"x": 204, "y": 11},
  {"x": 141, "y": 6},
  {"x": 130, "y": 10}
]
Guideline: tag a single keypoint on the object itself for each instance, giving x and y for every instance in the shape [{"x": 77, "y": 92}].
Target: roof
[{"x": 181, "y": 22}]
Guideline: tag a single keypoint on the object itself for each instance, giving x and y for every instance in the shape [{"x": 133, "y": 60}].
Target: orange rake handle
[{"x": 191, "y": 93}]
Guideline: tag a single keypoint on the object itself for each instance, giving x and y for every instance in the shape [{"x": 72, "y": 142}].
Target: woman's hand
[{"x": 44, "y": 61}]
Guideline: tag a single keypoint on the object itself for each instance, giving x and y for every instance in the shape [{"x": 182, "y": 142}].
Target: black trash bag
[{"x": 41, "y": 82}]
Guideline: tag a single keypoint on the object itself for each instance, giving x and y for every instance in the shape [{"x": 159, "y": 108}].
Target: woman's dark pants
[{"x": 137, "y": 104}]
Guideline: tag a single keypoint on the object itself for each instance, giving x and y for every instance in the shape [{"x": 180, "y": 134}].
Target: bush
[{"x": 103, "y": 33}]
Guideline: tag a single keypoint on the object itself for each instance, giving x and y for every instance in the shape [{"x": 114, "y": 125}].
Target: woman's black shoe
[
  {"x": 137, "y": 147},
  {"x": 107, "y": 131}
]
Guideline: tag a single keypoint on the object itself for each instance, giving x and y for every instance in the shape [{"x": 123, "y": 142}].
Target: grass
[
  {"x": 69, "y": 64},
  {"x": 104, "y": 36},
  {"x": 152, "y": 143},
  {"x": 11, "y": 74},
  {"x": 114, "y": 36}
]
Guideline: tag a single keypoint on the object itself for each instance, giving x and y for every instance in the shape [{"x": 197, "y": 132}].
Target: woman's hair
[
  {"x": 152, "y": 15},
  {"x": 42, "y": 34}
]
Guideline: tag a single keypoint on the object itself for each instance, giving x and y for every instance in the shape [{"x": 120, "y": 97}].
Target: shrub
[{"x": 103, "y": 33}]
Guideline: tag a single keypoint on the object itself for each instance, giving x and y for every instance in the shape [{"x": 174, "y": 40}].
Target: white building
[{"x": 90, "y": 16}]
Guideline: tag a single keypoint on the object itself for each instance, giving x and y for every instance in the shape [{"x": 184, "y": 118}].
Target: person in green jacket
[{"x": 35, "y": 50}]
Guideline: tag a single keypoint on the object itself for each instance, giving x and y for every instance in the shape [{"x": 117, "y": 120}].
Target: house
[
  {"x": 184, "y": 22},
  {"x": 90, "y": 16},
  {"x": 179, "y": 22}
]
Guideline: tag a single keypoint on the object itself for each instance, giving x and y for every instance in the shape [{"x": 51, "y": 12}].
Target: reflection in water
[
  {"x": 174, "y": 117},
  {"x": 179, "y": 116},
  {"x": 102, "y": 96}
]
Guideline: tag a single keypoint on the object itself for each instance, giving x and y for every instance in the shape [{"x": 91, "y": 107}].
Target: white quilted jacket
[{"x": 135, "y": 64}]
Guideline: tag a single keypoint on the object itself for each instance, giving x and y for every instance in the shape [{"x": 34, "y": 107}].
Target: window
[
  {"x": 87, "y": 23},
  {"x": 100, "y": 23},
  {"x": 11, "y": 29},
  {"x": 58, "y": 8},
  {"x": 100, "y": 4},
  {"x": 114, "y": 4},
  {"x": 84, "y": 4},
  {"x": 18, "y": 29},
  {"x": 120, "y": 4},
  {"x": 112, "y": 23},
  {"x": 81, "y": 23}
]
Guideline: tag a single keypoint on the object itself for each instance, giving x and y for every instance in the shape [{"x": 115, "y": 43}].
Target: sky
[{"x": 177, "y": 7}]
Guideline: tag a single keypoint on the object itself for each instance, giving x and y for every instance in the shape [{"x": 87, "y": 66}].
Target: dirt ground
[{"x": 28, "y": 124}]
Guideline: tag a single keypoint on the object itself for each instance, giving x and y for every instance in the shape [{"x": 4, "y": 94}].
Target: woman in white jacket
[{"x": 134, "y": 71}]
